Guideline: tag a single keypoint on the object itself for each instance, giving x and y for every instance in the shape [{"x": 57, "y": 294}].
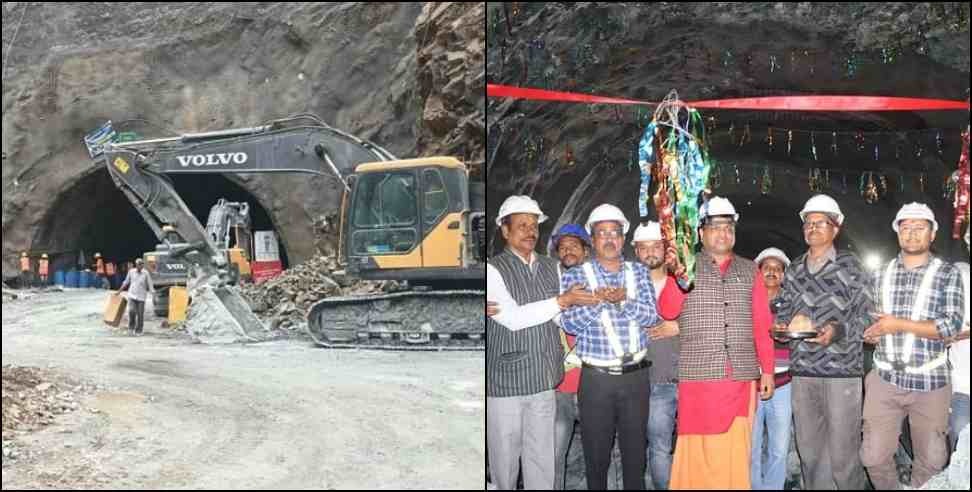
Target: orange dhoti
[{"x": 708, "y": 460}]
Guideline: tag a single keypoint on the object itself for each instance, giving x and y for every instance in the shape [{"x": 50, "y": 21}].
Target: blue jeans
[
  {"x": 775, "y": 414},
  {"x": 661, "y": 424},
  {"x": 958, "y": 418}
]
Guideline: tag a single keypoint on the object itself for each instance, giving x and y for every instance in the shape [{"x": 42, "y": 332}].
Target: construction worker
[
  {"x": 24, "y": 270},
  {"x": 110, "y": 273},
  {"x": 138, "y": 283},
  {"x": 42, "y": 269},
  {"x": 911, "y": 375},
  {"x": 99, "y": 265}
]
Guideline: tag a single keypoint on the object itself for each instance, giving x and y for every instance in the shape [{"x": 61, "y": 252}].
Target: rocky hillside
[{"x": 407, "y": 76}]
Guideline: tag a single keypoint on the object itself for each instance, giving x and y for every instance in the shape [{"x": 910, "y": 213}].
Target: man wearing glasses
[
  {"x": 829, "y": 292},
  {"x": 725, "y": 358},
  {"x": 920, "y": 299},
  {"x": 614, "y": 387}
]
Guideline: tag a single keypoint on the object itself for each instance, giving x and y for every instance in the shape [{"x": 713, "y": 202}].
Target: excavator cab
[{"x": 409, "y": 220}]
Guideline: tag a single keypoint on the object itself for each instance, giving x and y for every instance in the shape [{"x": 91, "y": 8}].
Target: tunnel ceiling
[
  {"x": 92, "y": 215},
  {"x": 572, "y": 157}
]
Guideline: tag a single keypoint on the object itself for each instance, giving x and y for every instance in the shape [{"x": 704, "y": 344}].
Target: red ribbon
[{"x": 780, "y": 103}]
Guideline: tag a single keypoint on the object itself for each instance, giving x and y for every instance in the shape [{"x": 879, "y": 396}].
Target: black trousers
[{"x": 609, "y": 406}]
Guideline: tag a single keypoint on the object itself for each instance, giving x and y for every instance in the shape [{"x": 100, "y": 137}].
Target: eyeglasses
[
  {"x": 913, "y": 230},
  {"x": 817, "y": 224},
  {"x": 720, "y": 227},
  {"x": 608, "y": 233}
]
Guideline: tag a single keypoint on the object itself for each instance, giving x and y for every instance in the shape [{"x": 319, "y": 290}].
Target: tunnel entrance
[{"x": 93, "y": 215}]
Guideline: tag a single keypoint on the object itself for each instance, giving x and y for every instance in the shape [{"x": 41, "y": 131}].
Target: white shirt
[
  {"x": 958, "y": 352},
  {"x": 139, "y": 284},
  {"x": 512, "y": 315}
]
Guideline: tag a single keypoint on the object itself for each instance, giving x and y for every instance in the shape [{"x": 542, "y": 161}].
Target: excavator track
[{"x": 416, "y": 320}]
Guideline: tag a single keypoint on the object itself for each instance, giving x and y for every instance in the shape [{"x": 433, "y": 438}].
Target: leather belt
[{"x": 619, "y": 370}]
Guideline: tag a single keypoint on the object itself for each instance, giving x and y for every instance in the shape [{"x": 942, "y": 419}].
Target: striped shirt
[
  {"x": 585, "y": 321},
  {"x": 945, "y": 308}
]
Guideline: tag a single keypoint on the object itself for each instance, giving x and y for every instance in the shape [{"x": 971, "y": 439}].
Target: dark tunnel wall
[
  {"x": 572, "y": 157},
  {"x": 94, "y": 216}
]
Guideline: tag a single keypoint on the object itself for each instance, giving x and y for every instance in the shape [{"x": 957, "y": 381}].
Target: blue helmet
[{"x": 567, "y": 230}]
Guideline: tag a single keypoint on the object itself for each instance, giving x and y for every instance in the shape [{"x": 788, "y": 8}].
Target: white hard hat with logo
[
  {"x": 519, "y": 204},
  {"x": 772, "y": 253},
  {"x": 915, "y": 210},
  {"x": 717, "y": 206},
  {"x": 649, "y": 231},
  {"x": 607, "y": 212},
  {"x": 822, "y": 204}
]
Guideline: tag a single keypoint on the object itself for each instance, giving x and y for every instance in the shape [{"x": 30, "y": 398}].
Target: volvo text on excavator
[{"x": 416, "y": 220}]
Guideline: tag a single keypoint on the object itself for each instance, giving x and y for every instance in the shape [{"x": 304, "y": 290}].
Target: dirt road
[{"x": 274, "y": 415}]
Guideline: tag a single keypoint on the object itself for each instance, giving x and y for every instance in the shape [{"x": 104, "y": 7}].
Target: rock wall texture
[
  {"x": 572, "y": 157},
  {"x": 406, "y": 76}
]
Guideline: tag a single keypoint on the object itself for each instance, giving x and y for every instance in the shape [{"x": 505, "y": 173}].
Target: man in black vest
[{"x": 523, "y": 351}]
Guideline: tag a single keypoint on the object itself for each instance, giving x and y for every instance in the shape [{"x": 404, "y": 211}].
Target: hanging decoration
[
  {"x": 814, "y": 180},
  {"x": 869, "y": 188},
  {"x": 789, "y": 141},
  {"x": 962, "y": 192},
  {"x": 676, "y": 149},
  {"x": 766, "y": 185},
  {"x": 715, "y": 176},
  {"x": 746, "y": 136},
  {"x": 769, "y": 138},
  {"x": 813, "y": 145},
  {"x": 833, "y": 145},
  {"x": 938, "y": 143}
]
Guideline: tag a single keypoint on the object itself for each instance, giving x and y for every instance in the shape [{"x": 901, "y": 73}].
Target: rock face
[
  {"x": 165, "y": 68},
  {"x": 572, "y": 157}
]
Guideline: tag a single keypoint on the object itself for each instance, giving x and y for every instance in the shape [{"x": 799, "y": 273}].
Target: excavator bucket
[{"x": 220, "y": 315}]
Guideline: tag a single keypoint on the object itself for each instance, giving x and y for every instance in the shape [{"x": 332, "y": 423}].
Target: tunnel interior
[{"x": 93, "y": 215}]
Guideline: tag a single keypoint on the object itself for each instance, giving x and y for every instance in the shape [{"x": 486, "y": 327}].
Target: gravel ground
[{"x": 168, "y": 413}]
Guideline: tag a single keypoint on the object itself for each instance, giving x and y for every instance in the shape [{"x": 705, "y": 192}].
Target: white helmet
[
  {"x": 718, "y": 206},
  {"x": 649, "y": 231},
  {"x": 606, "y": 212},
  {"x": 519, "y": 204},
  {"x": 822, "y": 204},
  {"x": 772, "y": 253},
  {"x": 915, "y": 210}
]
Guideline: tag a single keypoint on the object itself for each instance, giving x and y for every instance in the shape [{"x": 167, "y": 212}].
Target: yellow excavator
[{"x": 415, "y": 220}]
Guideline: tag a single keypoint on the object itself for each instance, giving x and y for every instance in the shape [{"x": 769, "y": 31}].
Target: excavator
[
  {"x": 421, "y": 221},
  {"x": 228, "y": 224}
]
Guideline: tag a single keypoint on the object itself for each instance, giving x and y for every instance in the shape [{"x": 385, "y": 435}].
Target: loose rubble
[
  {"x": 33, "y": 398},
  {"x": 283, "y": 301}
]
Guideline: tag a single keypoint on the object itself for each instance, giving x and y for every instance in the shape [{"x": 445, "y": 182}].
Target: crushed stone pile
[{"x": 283, "y": 301}]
